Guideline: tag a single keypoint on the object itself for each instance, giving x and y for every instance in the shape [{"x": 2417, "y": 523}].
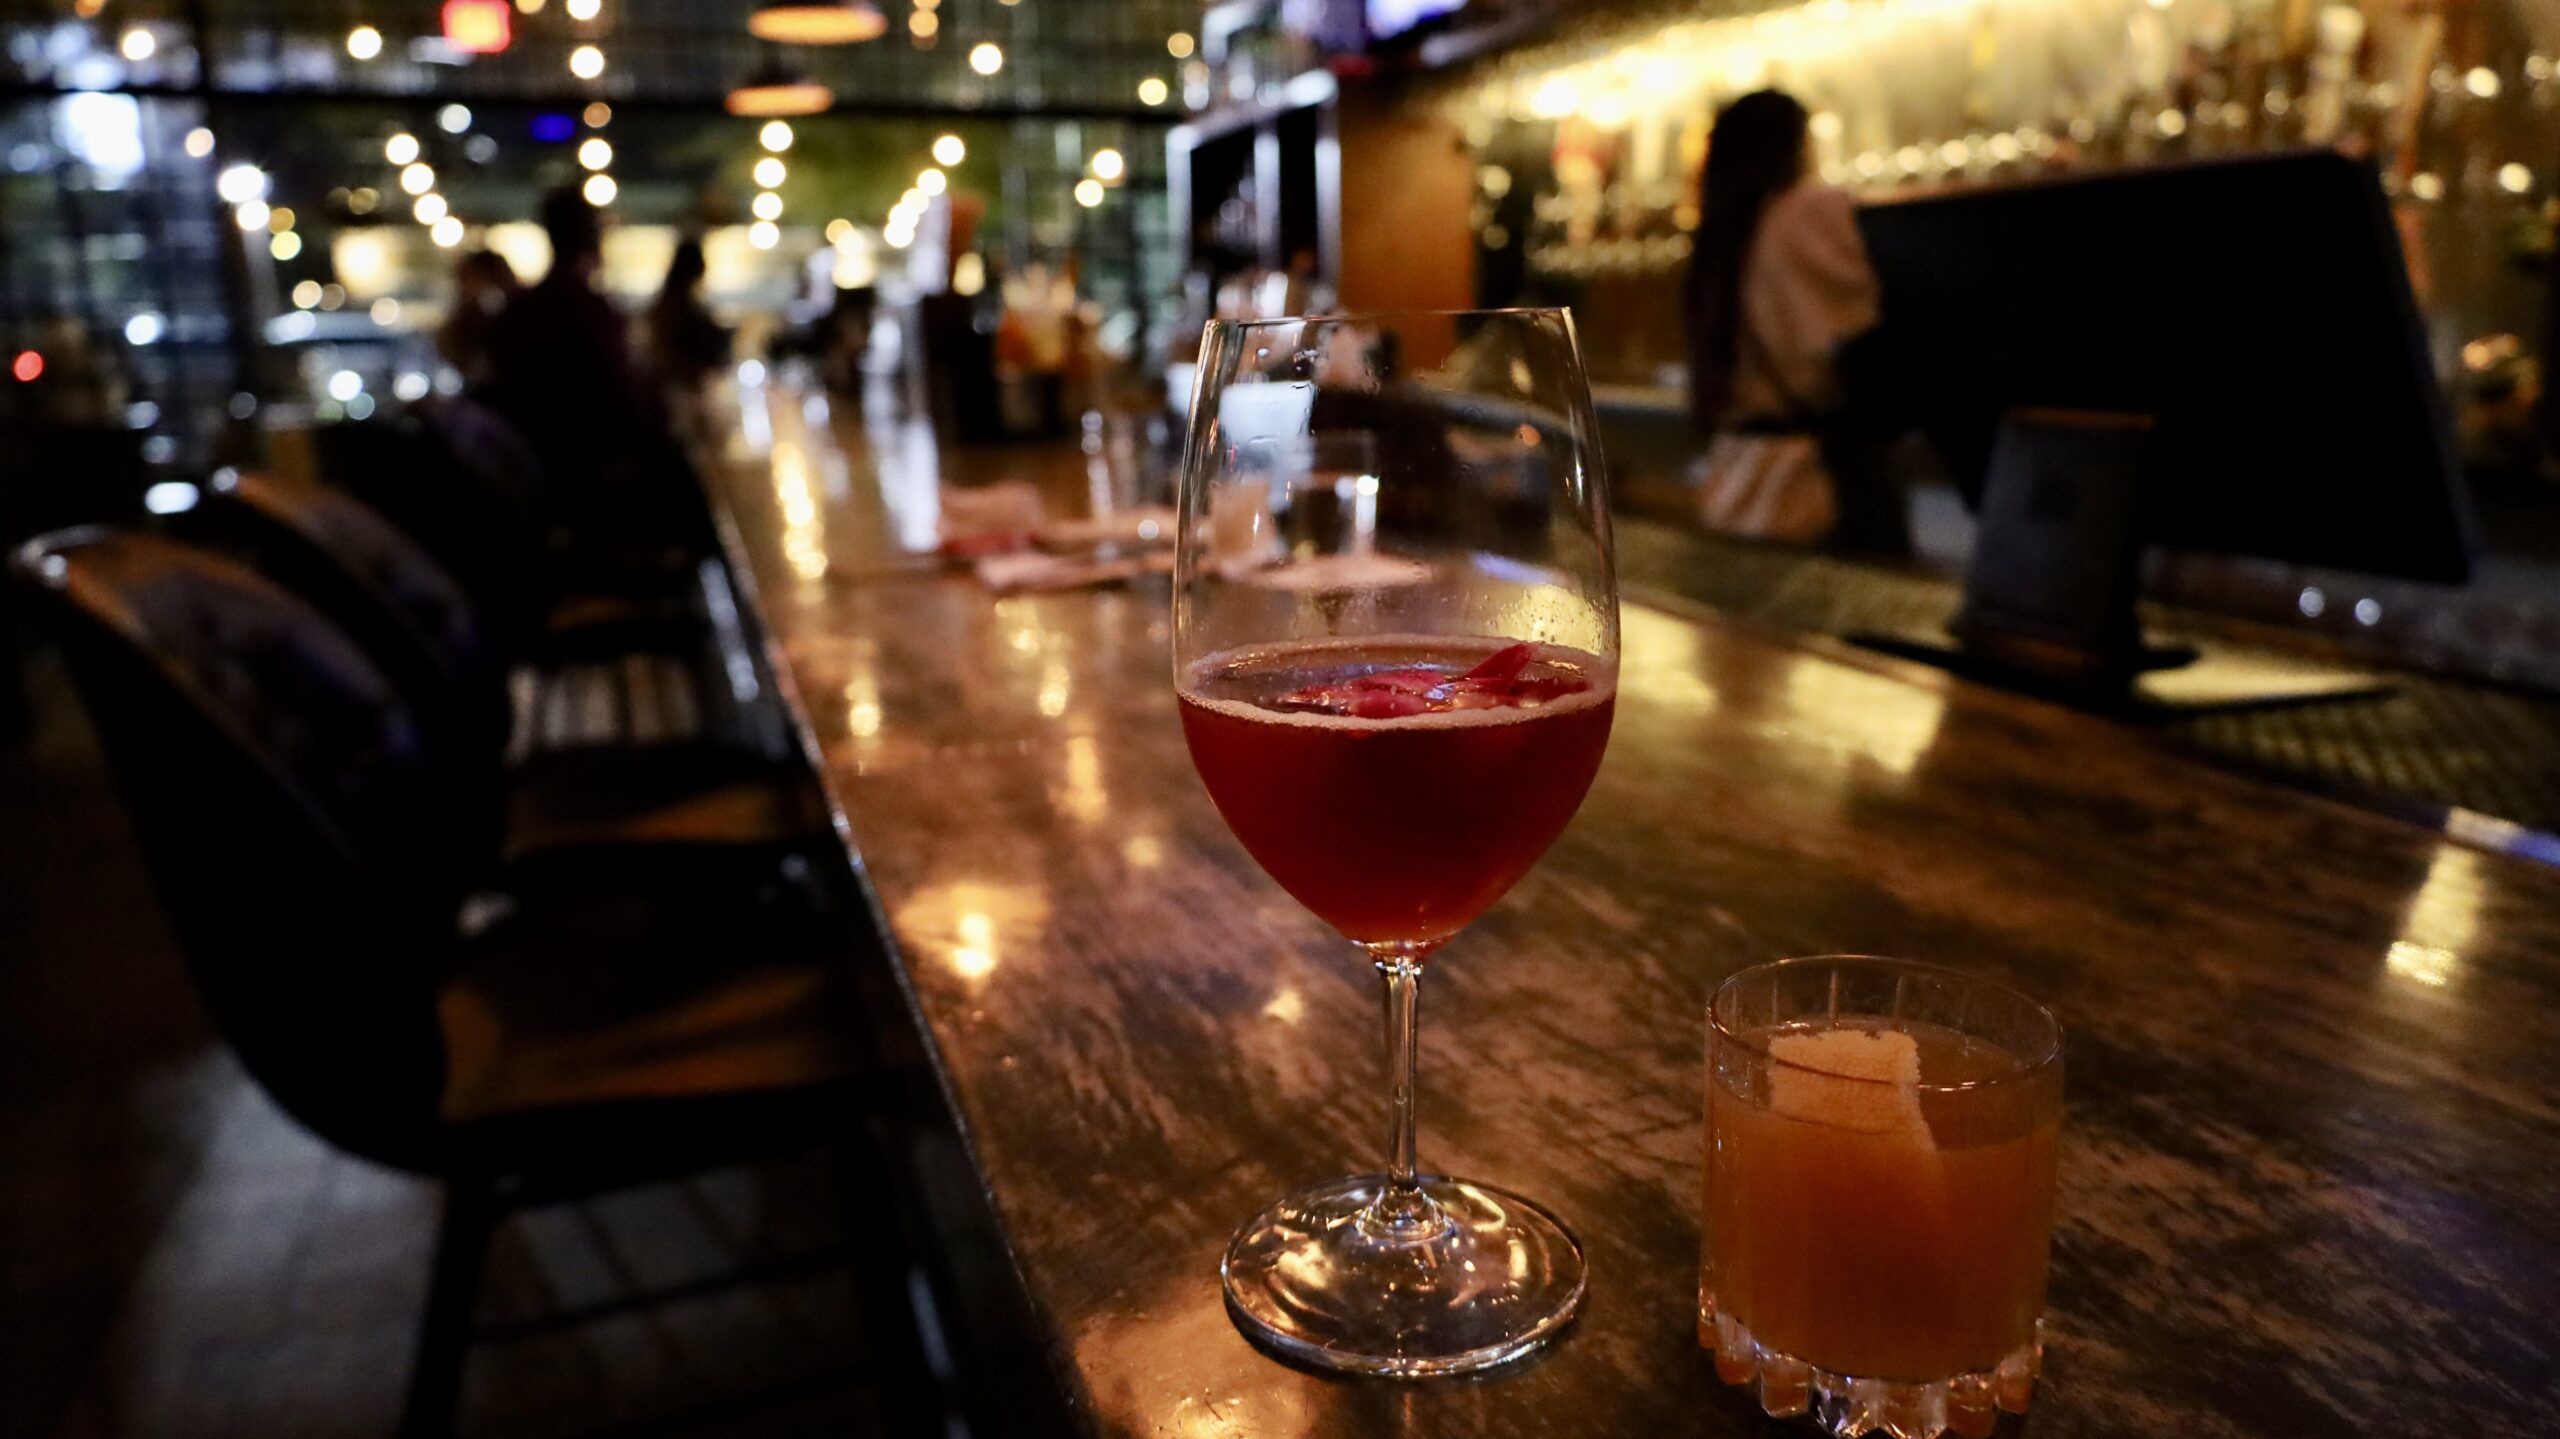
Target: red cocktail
[{"x": 1397, "y": 787}]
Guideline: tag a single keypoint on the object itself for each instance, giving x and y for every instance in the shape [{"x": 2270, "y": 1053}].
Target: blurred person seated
[
  {"x": 687, "y": 347},
  {"x": 1778, "y": 287},
  {"x": 484, "y": 285}
]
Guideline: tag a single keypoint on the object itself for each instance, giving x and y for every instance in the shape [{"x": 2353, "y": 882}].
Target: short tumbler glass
[{"x": 1879, "y": 1192}]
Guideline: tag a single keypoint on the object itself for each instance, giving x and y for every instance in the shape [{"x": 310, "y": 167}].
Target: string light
[
  {"x": 280, "y": 219},
  {"x": 364, "y": 42},
  {"x": 949, "y": 150},
  {"x": 770, "y": 172},
  {"x": 199, "y": 143},
  {"x": 1179, "y": 45},
  {"x": 1088, "y": 193},
  {"x": 1152, "y": 91},
  {"x": 586, "y": 62},
  {"x": 923, "y": 25},
  {"x": 767, "y": 205},
  {"x": 598, "y": 114},
  {"x": 986, "y": 57},
  {"x": 306, "y": 294},
  {"x": 285, "y": 246},
  {"x": 600, "y": 190},
  {"x": 932, "y": 182},
  {"x": 595, "y": 152},
  {"x": 252, "y": 215},
  {"x": 775, "y": 136},
  {"x": 584, "y": 9},
  {"x": 1109, "y": 165},
  {"x": 137, "y": 45},
  {"x": 239, "y": 184},
  {"x": 430, "y": 208},
  {"x": 764, "y": 234},
  {"x": 417, "y": 179},
  {"x": 446, "y": 232},
  {"x": 400, "y": 149},
  {"x": 839, "y": 230}
]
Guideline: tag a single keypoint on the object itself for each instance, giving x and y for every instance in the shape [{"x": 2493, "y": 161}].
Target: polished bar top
[{"x": 2313, "y": 1056}]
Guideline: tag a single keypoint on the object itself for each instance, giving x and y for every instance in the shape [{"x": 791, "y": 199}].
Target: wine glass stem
[{"x": 1402, "y": 1209}]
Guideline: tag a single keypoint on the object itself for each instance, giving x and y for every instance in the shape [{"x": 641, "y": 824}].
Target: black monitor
[{"x": 2223, "y": 356}]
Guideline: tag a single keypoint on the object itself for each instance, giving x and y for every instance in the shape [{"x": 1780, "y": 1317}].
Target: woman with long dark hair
[{"x": 1778, "y": 282}]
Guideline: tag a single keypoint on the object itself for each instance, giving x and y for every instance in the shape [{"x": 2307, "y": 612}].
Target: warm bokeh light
[
  {"x": 280, "y": 219},
  {"x": 417, "y": 179},
  {"x": 1179, "y": 45},
  {"x": 454, "y": 119},
  {"x": 251, "y": 215},
  {"x": 306, "y": 294},
  {"x": 1152, "y": 91},
  {"x": 600, "y": 190},
  {"x": 766, "y": 205},
  {"x": 968, "y": 274},
  {"x": 932, "y": 182},
  {"x": 923, "y": 25},
  {"x": 598, "y": 114},
  {"x": 764, "y": 234},
  {"x": 137, "y": 44},
  {"x": 199, "y": 143},
  {"x": 364, "y": 42},
  {"x": 584, "y": 9},
  {"x": 770, "y": 172},
  {"x": 285, "y": 246},
  {"x": 401, "y": 149},
  {"x": 1109, "y": 165},
  {"x": 839, "y": 230},
  {"x": 595, "y": 153},
  {"x": 775, "y": 136},
  {"x": 386, "y": 312},
  {"x": 817, "y": 22},
  {"x": 430, "y": 208},
  {"x": 1088, "y": 193},
  {"x": 586, "y": 62},
  {"x": 949, "y": 150},
  {"x": 986, "y": 57},
  {"x": 446, "y": 232}
]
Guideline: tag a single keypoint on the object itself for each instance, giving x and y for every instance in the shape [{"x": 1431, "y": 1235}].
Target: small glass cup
[{"x": 1879, "y": 1192}]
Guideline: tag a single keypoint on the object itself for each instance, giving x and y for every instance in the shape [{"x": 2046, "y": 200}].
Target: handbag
[{"x": 1767, "y": 481}]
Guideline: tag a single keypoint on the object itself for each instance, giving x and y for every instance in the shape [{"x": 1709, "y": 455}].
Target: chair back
[
  {"x": 403, "y": 609},
  {"x": 292, "y": 825}
]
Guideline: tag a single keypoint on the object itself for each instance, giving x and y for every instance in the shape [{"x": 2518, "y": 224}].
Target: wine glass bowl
[{"x": 1395, "y": 646}]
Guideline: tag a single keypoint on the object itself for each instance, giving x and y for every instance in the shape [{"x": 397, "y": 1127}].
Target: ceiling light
[
  {"x": 775, "y": 136},
  {"x": 595, "y": 152},
  {"x": 586, "y": 62},
  {"x": 764, "y": 234},
  {"x": 776, "y": 89},
  {"x": 600, "y": 190},
  {"x": 950, "y": 150},
  {"x": 1109, "y": 165},
  {"x": 770, "y": 172},
  {"x": 1088, "y": 193},
  {"x": 364, "y": 42},
  {"x": 986, "y": 57},
  {"x": 766, "y": 205},
  {"x": 239, "y": 184},
  {"x": 400, "y": 149},
  {"x": 817, "y": 22}
]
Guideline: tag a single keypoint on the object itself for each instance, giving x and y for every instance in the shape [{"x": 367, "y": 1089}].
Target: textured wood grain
[{"x": 2314, "y": 1064}]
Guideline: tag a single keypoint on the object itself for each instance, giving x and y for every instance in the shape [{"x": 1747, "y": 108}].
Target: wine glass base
[{"x": 1317, "y": 1280}]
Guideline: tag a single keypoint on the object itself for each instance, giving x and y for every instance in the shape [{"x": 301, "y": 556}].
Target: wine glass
[{"x": 1397, "y": 702}]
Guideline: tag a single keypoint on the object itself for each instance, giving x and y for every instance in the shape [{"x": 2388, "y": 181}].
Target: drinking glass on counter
[
  {"x": 1879, "y": 1192},
  {"x": 1396, "y": 696}
]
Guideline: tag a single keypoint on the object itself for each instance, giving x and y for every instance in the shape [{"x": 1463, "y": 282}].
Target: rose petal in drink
[{"x": 1504, "y": 664}]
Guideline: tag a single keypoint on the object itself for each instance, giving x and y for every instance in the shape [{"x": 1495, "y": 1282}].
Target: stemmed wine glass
[{"x": 1396, "y": 647}]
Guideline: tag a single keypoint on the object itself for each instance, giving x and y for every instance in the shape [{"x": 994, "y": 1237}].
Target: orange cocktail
[{"x": 1879, "y": 1192}]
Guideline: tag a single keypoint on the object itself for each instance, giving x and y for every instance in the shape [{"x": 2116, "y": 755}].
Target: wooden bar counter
[{"x": 2308, "y": 1167}]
